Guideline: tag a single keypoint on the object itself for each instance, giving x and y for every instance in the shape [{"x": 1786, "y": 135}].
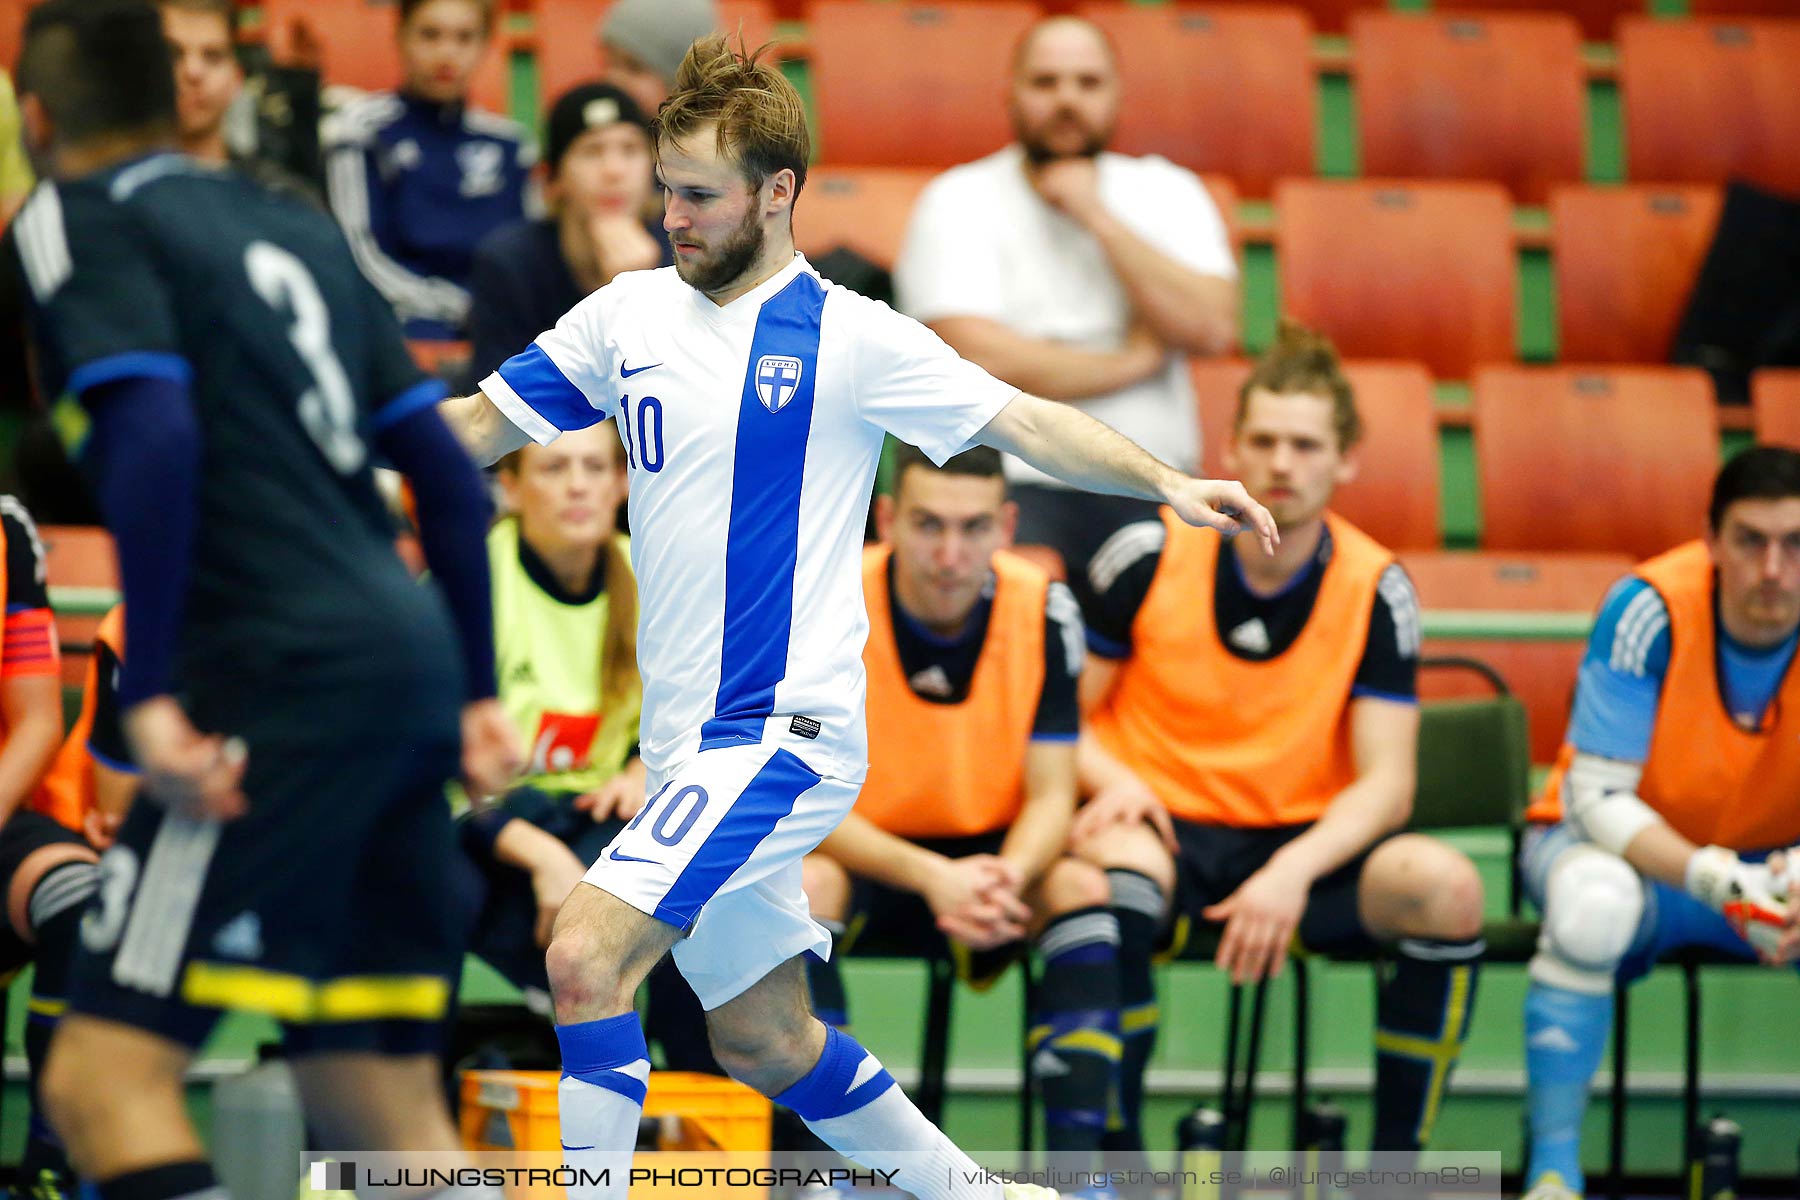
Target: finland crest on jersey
[
  {"x": 752, "y": 433},
  {"x": 777, "y": 379}
]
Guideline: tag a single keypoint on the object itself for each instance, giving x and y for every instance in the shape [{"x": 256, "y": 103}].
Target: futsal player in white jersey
[{"x": 752, "y": 397}]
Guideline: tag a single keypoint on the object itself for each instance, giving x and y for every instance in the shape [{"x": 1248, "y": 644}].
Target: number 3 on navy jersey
[
  {"x": 649, "y": 450},
  {"x": 328, "y": 407}
]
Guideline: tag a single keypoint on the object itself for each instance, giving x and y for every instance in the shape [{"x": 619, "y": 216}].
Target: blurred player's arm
[
  {"x": 1262, "y": 914},
  {"x": 453, "y": 517},
  {"x": 482, "y": 428},
  {"x": 1041, "y": 830},
  {"x": 1384, "y": 743},
  {"x": 31, "y": 705},
  {"x": 553, "y": 868},
  {"x": 115, "y": 778},
  {"x": 1088, "y": 454},
  {"x": 1054, "y": 370},
  {"x": 144, "y": 450},
  {"x": 1040, "y": 833},
  {"x": 975, "y": 898}
]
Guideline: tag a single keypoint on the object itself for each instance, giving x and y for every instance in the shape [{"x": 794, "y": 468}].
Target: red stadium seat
[
  {"x": 1328, "y": 16},
  {"x": 1594, "y": 459},
  {"x": 566, "y": 36},
  {"x": 1626, "y": 258},
  {"x": 1596, "y": 17},
  {"x": 1498, "y": 97},
  {"x": 1401, "y": 270},
  {"x": 1540, "y": 672},
  {"x": 358, "y": 45},
  {"x": 1705, "y": 101},
  {"x": 1394, "y": 497},
  {"x": 864, "y": 209},
  {"x": 1775, "y": 401},
  {"x": 913, "y": 84},
  {"x": 1743, "y": 8},
  {"x": 1221, "y": 88}
]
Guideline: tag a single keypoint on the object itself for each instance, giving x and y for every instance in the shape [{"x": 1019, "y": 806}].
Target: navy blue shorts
[{"x": 327, "y": 906}]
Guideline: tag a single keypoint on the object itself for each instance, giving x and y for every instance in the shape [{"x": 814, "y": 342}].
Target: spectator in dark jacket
[
  {"x": 530, "y": 273},
  {"x": 417, "y": 177}
]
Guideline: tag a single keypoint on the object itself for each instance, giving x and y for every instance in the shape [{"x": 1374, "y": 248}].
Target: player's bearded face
[
  {"x": 720, "y": 260},
  {"x": 1065, "y": 93}
]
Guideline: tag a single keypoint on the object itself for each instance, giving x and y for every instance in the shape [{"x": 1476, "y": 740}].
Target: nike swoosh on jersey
[
  {"x": 617, "y": 857},
  {"x": 626, "y": 372}
]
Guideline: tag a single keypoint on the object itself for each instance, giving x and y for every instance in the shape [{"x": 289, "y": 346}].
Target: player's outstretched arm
[
  {"x": 481, "y": 427},
  {"x": 1074, "y": 447}
]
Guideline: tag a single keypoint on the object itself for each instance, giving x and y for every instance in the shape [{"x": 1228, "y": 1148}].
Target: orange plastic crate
[{"x": 516, "y": 1110}]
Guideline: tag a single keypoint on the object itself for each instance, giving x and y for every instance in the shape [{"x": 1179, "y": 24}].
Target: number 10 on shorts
[{"x": 678, "y": 814}]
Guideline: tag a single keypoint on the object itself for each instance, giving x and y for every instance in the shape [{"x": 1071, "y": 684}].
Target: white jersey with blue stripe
[{"x": 752, "y": 434}]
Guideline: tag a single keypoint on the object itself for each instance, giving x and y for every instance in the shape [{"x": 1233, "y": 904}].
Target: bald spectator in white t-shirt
[{"x": 1075, "y": 273}]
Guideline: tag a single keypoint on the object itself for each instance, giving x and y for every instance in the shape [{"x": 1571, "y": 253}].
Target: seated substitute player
[
  {"x": 752, "y": 397},
  {"x": 1679, "y": 774},
  {"x": 48, "y": 870},
  {"x": 565, "y": 647},
  {"x": 962, "y": 824},
  {"x": 238, "y": 372},
  {"x": 1256, "y": 720}
]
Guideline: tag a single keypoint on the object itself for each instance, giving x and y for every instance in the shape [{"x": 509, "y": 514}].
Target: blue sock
[
  {"x": 1565, "y": 1035},
  {"x": 606, "y": 1071},
  {"x": 849, "y": 1100}
]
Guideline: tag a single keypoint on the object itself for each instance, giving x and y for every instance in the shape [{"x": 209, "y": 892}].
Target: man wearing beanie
[
  {"x": 528, "y": 274},
  {"x": 644, "y": 40}
]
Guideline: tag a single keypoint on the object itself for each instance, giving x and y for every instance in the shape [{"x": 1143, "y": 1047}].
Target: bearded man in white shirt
[{"x": 1076, "y": 274}]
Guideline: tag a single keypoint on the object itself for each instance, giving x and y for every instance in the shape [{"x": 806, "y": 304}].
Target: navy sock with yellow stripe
[
  {"x": 1137, "y": 904},
  {"x": 1075, "y": 1033},
  {"x": 1422, "y": 1016}
]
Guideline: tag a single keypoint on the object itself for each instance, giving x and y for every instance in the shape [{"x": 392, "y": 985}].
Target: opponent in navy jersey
[
  {"x": 752, "y": 397},
  {"x": 295, "y": 700}
]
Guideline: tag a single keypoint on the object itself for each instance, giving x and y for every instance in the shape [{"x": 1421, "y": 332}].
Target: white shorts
[{"x": 716, "y": 852}]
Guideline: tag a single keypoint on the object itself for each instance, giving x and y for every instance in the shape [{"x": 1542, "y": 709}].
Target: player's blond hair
[
  {"x": 1303, "y": 361},
  {"x": 758, "y": 116}
]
